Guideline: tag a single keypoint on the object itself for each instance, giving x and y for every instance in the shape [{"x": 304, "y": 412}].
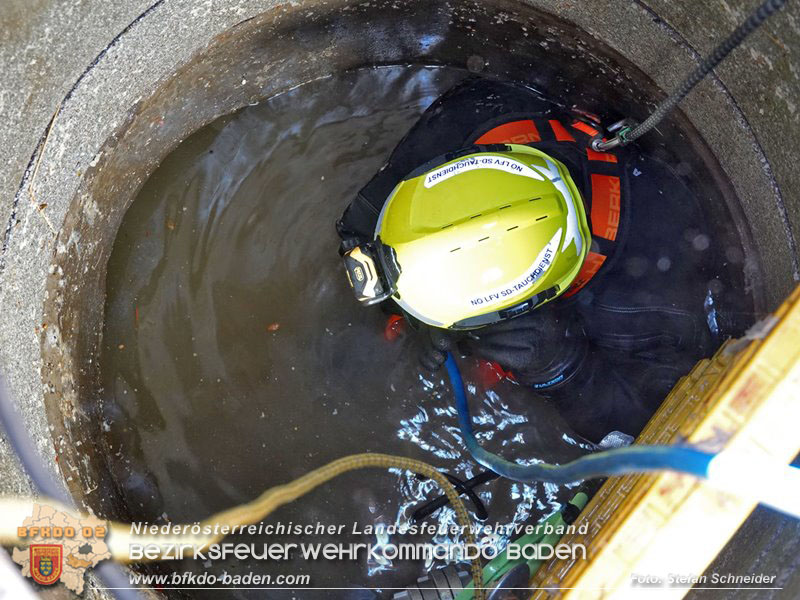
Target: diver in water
[{"x": 495, "y": 228}]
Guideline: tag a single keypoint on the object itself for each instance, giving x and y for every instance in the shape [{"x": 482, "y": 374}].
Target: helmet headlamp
[{"x": 365, "y": 274}]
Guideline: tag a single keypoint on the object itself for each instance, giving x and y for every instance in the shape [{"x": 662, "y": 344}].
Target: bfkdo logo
[
  {"x": 46, "y": 562},
  {"x": 62, "y": 546}
]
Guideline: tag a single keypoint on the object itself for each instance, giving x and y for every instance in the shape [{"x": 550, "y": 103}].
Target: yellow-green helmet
[{"x": 478, "y": 239}]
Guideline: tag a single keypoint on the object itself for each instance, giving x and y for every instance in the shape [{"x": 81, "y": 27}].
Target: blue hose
[{"x": 633, "y": 459}]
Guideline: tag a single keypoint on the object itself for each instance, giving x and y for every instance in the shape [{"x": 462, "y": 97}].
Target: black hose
[
  {"x": 753, "y": 22},
  {"x": 462, "y": 487},
  {"x": 112, "y": 575}
]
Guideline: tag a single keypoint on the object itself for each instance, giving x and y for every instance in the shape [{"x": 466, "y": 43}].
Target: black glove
[
  {"x": 541, "y": 349},
  {"x": 436, "y": 343}
]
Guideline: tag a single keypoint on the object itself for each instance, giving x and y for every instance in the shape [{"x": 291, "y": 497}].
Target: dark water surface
[{"x": 235, "y": 357}]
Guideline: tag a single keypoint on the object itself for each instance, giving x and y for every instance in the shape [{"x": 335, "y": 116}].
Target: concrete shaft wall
[{"x": 93, "y": 61}]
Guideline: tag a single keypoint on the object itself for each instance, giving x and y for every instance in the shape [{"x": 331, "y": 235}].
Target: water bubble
[
  {"x": 715, "y": 286},
  {"x": 475, "y": 63},
  {"x": 636, "y": 266},
  {"x": 701, "y": 242},
  {"x": 734, "y": 255}
]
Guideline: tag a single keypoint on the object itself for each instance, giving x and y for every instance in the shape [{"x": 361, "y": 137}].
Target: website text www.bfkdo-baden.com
[{"x": 188, "y": 579}]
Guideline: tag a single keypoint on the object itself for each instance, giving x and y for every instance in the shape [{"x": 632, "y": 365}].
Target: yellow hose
[{"x": 120, "y": 535}]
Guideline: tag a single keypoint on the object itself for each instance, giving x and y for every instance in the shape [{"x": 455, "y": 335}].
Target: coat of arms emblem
[{"x": 46, "y": 563}]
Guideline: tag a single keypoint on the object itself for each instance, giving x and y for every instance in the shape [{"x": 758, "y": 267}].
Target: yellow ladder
[{"x": 644, "y": 529}]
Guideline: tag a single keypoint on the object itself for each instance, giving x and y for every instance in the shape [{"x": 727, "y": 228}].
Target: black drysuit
[{"x": 610, "y": 349}]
